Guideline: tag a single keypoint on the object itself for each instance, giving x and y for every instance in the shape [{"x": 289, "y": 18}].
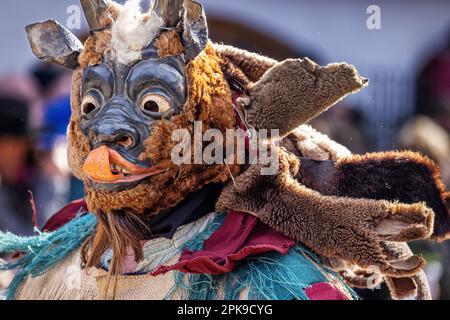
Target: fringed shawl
[{"x": 272, "y": 276}]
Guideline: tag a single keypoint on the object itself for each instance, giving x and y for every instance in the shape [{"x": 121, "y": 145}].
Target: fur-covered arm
[
  {"x": 306, "y": 142},
  {"x": 296, "y": 91},
  {"x": 349, "y": 229},
  {"x": 285, "y": 95}
]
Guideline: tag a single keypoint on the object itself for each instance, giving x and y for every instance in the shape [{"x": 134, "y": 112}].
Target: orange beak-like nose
[{"x": 104, "y": 165}]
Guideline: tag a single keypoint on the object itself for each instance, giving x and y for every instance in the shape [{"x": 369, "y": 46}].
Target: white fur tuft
[{"x": 131, "y": 33}]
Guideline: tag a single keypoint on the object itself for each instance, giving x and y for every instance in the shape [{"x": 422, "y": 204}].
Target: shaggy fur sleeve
[
  {"x": 349, "y": 229},
  {"x": 396, "y": 176}
]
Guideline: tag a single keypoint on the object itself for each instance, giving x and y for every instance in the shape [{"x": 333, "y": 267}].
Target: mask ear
[
  {"x": 295, "y": 91},
  {"x": 51, "y": 42},
  {"x": 195, "y": 29}
]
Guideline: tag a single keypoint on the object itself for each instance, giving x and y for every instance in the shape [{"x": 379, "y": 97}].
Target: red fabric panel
[
  {"x": 65, "y": 215},
  {"x": 240, "y": 236},
  {"x": 324, "y": 291}
]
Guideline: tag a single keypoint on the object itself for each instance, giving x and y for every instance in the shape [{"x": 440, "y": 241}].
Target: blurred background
[{"x": 403, "y": 47}]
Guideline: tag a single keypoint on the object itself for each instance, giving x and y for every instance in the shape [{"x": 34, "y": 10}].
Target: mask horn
[
  {"x": 169, "y": 11},
  {"x": 51, "y": 42},
  {"x": 195, "y": 28},
  {"x": 92, "y": 11}
]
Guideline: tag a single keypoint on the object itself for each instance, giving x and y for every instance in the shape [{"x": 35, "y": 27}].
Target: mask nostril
[{"x": 125, "y": 142}]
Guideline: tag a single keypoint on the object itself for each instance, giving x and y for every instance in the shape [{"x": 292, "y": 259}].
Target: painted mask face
[
  {"x": 138, "y": 80},
  {"x": 134, "y": 87},
  {"x": 141, "y": 75},
  {"x": 121, "y": 102}
]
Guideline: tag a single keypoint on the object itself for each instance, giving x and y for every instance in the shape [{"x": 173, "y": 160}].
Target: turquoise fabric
[
  {"x": 268, "y": 277},
  {"x": 43, "y": 251}
]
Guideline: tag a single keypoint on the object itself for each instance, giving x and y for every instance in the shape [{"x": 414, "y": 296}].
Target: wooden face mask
[{"x": 134, "y": 85}]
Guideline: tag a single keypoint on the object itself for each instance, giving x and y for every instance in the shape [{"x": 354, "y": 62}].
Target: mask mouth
[{"x": 107, "y": 166}]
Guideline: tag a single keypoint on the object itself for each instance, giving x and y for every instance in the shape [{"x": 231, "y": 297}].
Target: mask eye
[
  {"x": 89, "y": 105},
  {"x": 155, "y": 103}
]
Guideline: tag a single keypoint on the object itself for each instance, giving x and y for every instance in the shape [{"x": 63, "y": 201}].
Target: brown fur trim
[
  {"x": 169, "y": 44},
  {"x": 110, "y": 15},
  {"x": 447, "y": 198},
  {"x": 401, "y": 288},
  {"x": 94, "y": 48},
  {"x": 407, "y": 287},
  {"x": 350, "y": 229},
  {"x": 295, "y": 91},
  {"x": 253, "y": 65},
  {"x": 407, "y": 177},
  {"x": 396, "y": 251},
  {"x": 423, "y": 288},
  {"x": 78, "y": 144},
  {"x": 320, "y": 176}
]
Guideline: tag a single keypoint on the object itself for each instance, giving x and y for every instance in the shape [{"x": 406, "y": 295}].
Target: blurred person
[
  {"x": 425, "y": 135},
  {"x": 60, "y": 185},
  {"x": 16, "y": 166},
  {"x": 22, "y": 168},
  {"x": 52, "y": 146},
  {"x": 27, "y": 88},
  {"x": 433, "y": 100},
  {"x": 433, "y": 91},
  {"x": 53, "y": 81},
  {"x": 30, "y": 159}
]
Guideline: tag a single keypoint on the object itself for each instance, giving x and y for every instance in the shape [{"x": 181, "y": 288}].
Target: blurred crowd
[{"x": 35, "y": 179}]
